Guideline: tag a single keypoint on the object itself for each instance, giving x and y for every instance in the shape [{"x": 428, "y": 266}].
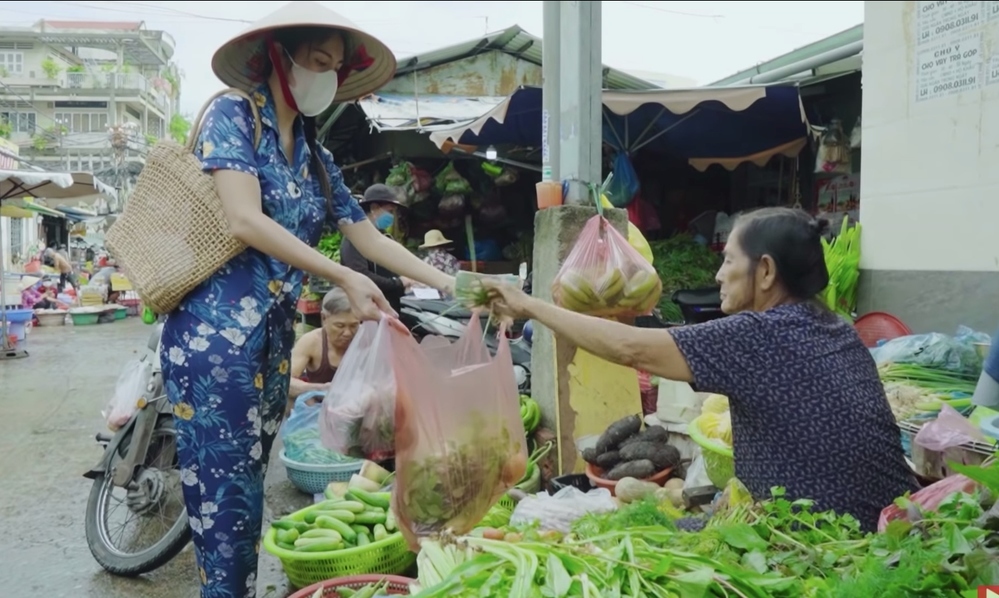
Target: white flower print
[
  {"x": 287, "y": 288},
  {"x": 177, "y": 356},
  {"x": 195, "y": 524},
  {"x": 256, "y": 451},
  {"x": 199, "y": 344},
  {"x": 234, "y": 336},
  {"x": 248, "y": 303},
  {"x": 189, "y": 476},
  {"x": 215, "y": 359},
  {"x": 204, "y": 330},
  {"x": 248, "y": 318},
  {"x": 209, "y": 508},
  {"x": 207, "y": 523},
  {"x": 271, "y": 426},
  {"x": 293, "y": 190},
  {"x": 251, "y": 582},
  {"x": 220, "y": 374},
  {"x": 253, "y": 414}
]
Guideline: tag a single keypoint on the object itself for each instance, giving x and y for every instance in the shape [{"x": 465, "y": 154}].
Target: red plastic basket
[
  {"x": 397, "y": 585},
  {"x": 879, "y": 326}
]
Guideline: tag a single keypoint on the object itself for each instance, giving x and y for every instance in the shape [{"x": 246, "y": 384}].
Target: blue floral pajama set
[{"x": 226, "y": 349}]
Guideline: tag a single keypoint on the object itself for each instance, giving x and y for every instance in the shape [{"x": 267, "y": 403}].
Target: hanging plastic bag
[
  {"x": 948, "y": 430},
  {"x": 559, "y": 511},
  {"x": 635, "y": 237},
  {"x": 624, "y": 185},
  {"x": 128, "y": 391},
  {"x": 301, "y": 434},
  {"x": 855, "y": 135},
  {"x": 928, "y": 499},
  {"x": 358, "y": 412},
  {"x": 460, "y": 440},
  {"x": 833, "y": 153},
  {"x": 604, "y": 275}
]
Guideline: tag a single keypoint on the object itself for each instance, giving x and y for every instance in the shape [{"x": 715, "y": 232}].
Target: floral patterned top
[
  {"x": 443, "y": 261},
  {"x": 235, "y": 300}
]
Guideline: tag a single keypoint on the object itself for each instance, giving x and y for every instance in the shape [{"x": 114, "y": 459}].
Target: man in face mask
[{"x": 382, "y": 205}]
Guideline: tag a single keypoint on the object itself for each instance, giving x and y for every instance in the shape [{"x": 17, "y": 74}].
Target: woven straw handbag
[{"x": 173, "y": 234}]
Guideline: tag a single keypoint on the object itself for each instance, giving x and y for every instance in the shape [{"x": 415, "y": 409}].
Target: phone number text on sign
[
  {"x": 949, "y": 68},
  {"x": 941, "y": 18}
]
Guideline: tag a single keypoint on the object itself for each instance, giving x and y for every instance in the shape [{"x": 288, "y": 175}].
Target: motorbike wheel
[{"x": 165, "y": 544}]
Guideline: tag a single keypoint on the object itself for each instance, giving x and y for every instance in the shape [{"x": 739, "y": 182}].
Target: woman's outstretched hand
[
  {"x": 508, "y": 300},
  {"x": 366, "y": 299}
]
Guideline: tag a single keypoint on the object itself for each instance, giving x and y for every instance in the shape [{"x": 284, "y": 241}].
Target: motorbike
[
  {"x": 140, "y": 463},
  {"x": 446, "y": 318},
  {"x": 696, "y": 306}
]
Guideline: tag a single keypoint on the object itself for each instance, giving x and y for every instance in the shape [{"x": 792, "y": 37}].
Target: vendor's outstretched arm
[
  {"x": 300, "y": 358},
  {"x": 387, "y": 253},
  {"x": 647, "y": 349}
]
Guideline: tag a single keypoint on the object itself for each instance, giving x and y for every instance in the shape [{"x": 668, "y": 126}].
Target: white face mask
[{"x": 313, "y": 92}]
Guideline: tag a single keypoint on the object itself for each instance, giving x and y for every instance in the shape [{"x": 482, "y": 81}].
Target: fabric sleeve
[
  {"x": 226, "y": 139},
  {"x": 346, "y": 210},
  {"x": 721, "y": 353},
  {"x": 352, "y": 258}
]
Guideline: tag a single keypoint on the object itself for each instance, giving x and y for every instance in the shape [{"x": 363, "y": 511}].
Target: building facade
[{"x": 66, "y": 89}]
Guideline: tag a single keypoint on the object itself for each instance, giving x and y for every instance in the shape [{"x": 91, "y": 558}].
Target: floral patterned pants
[{"x": 228, "y": 402}]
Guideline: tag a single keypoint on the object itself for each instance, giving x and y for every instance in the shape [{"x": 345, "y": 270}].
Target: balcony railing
[{"x": 124, "y": 81}]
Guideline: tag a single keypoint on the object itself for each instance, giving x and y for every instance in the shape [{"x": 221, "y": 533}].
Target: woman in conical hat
[{"x": 226, "y": 348}]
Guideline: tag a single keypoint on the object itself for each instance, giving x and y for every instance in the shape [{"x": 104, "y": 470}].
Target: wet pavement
[{"x": 50, "y": 404}]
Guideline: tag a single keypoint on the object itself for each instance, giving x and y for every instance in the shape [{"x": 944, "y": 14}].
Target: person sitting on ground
[
  {"x": 60, "y": 263},
  {"x": 382, "y": 205},
  {"x": 316, "y": 355},
  {"x": 39, "y": 295},
  {"x": 438, "y": 248}
]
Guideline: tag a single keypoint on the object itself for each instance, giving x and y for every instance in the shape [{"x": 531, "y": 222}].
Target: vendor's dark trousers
[{"x": 67, "y": 277}]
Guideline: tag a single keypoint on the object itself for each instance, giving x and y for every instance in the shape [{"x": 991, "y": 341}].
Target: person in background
[
  {"x": 316, "y": 355},
  {"x": 438, "y": 248},
  {"x": 53, "y": 258},
  {"x": 39, "y": 295},
  {"x": 987, "y": 390},
  {"x": 809, "y": 412},
  {"x": 382, "y": 205}
]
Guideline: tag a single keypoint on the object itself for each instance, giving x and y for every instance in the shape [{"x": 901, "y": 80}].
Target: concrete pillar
[{"x": 550, "y": 116}]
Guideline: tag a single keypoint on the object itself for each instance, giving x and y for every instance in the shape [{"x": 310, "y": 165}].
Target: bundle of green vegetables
[
  {"x": 682, "y": 263},
  {"x": 779, "y": 548},
  {"x": 329, "y": 245},
  {"x": 842, "y": 256}
]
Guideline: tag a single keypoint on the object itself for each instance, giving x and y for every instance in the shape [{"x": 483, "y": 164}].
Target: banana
[
  {"x": 570, "y": 301},
  {"x": 610, "y": 286},
  {"x": 571, "y": 294},
  {"x": 581, "y": 284},
  {"x": 641, "y": 284}
]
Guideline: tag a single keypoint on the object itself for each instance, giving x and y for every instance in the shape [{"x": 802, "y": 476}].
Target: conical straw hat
[{"x": 241, "y": 61}]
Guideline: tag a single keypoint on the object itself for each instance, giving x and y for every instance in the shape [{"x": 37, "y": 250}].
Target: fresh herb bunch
[
  {"x": 329, "y": 246},
  {"x": 682, "y": 263}
]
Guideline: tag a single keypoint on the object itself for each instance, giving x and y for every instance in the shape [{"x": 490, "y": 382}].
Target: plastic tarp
[{"x": 713, "y": 125}]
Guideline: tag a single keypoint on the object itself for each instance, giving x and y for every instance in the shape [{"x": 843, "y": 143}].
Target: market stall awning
[
  {"x": 77, "y": 214},
  {"x": 43, "y": 210},
  {"x": 725, "y": 126},
  {"x": 11, "y": 211},
  {"x": 390, "y": 112},
  {"x": 55, "y": 185}
]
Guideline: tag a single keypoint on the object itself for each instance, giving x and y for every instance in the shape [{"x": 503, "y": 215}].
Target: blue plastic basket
[{"x": 313, "y": 479}]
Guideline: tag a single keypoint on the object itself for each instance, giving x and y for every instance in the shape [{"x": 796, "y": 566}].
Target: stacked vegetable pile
[
  {"x": 455, "y": 192},
  {"x": 682, "y": 263},
  {"x": 356, "y": 519},
  {"x": 779, "y": 549},
  {"x": 624, "y": 450},
  {"x": 842, "y": 256}
]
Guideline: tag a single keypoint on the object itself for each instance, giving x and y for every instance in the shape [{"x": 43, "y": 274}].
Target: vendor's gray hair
[{"x": 336, "y": 302}]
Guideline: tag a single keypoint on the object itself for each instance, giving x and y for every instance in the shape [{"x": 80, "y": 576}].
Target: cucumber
[
  {"x": 289, "y": 524},
  {"x": 360, "y": 529},
  {"x": 344, "y": 516},
  {"x": 327, "y": 505},
  {"x": 380, "y": 533},
  {"x": 327, "y": 534},
  {"x": 352, "y": 506},
  {"x": 338, "y": 526},
  {"x": 320, "y": 546},
  {"x": 390, "y": 523},
  {"x": 310, "y": 517},
  {"x": 362, "y": 540},
  {"x": 370, "y": 517},
  {"x": 286, "y": 546},
  {"x": 378, "y": 500},
  {"x": 287, "y": 536}
]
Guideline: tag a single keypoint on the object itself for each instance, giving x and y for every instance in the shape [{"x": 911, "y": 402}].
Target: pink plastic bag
[
  {"x": 948, "y": 430},
  {"x": 460, "y": 441},
  {"x": 928, "y": 499},
  {"x": 129, "y": 391},
  {"x": 603, "y": 275},
  {"x": 358, "y": 415}
]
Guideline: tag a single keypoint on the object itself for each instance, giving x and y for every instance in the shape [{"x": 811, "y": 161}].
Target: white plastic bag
[
  {"x": 697, "y": 474},
  {"x": 300, "y": 433},
  {"x": 560, "y": 510},
  {"x": 948, "y": 430},
  {"x": 131, "y": 387}
]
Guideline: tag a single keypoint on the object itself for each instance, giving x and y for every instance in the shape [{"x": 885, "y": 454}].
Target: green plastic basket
[
  {"x": 719, "y": 461},
  {"x": 84, "y": 319},
  {"x": 390, "y": 556}
]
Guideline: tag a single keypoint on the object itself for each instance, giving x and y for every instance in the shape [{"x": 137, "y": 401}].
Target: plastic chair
[{"x": 879, "y": 326}]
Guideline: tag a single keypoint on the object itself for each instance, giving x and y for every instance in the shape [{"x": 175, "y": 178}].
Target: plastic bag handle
[{"x": 305, "y": 396}]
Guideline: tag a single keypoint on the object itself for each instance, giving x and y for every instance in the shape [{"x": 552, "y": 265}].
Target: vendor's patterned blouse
[
  {"x": 234, "y": 300},
  {"x": 808, "y": 410}
]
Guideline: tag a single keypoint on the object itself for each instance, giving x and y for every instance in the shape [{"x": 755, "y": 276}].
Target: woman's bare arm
[
  {"x": 240, "y": 195},
  {"x": 647, "y": 349},
  {"x": 385, "y": 252}
]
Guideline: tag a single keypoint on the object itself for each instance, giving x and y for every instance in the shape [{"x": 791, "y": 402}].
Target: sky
[{"x": 703, "y": 41}]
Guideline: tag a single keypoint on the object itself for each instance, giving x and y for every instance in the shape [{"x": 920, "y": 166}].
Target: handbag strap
[{"x": 199, "y": 120}]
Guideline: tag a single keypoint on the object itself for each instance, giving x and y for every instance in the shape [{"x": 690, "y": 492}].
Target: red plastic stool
[{"x": 879, "y": 326}]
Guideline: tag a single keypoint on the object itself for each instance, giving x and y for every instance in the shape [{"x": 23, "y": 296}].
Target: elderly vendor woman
[{"x": 809, "y": 413}]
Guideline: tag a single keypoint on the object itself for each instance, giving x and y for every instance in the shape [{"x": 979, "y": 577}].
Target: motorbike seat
[
  {"x": 449, "y": 309},
  {"x": 705, "y": 297}
]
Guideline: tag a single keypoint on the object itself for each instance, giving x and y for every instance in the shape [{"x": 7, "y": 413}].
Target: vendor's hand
[
  {"x": 366, "y": 299},
  {"x": 407, "y": 283},
  {"x": 508, "y": 300}
]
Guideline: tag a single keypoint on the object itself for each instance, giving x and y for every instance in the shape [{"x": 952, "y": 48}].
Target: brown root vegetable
[
  {"x": 657, "y": 434},
  {"x": 661, "y": 455},
  {"x": 590, "y": 456},
  {"x": 608, "y": 460},
  {"x": 618, "y": 432},
  {"x": 640, "y": 469}
]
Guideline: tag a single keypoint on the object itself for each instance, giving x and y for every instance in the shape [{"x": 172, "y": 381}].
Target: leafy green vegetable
[
  {"x": 329, "y": 246},
  {"x": 682, "y": 263}
]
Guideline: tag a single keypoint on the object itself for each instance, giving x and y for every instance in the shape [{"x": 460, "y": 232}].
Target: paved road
[{"x": 50, "y": 407}]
